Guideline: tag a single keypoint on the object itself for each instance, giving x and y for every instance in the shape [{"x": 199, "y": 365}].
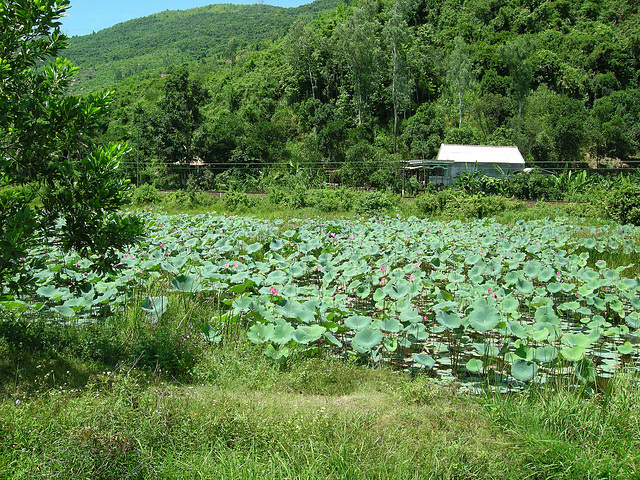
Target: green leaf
[
  {"x": 391, "y": 344},
  {"x": 523, "y": 370},
  {"x": 626, "y": 348},
  {"x": 187, "y": 283},
  {"x": 576, "y": 339},
  {"x": 573, "y": 354},
  {"x": 282, "y": 333},
  {"x": 50, "y": 292},
  {"x": 366, "y": 339},
  {"x": 475, "y": 365},
  {"x": 424, "y": 360},
  {"x": 524, "y": 286},
  {"x": 546, "y": 354},
  {"x": 65, "y": 311},
  {"x": 389, "y": 324},
  {"x": 332, "y": 339},
  {"x": 210, "y": 334},
  {"x": 411, "y": 315},
  {"x": 448, "y": 319},
  {"x": 278, "y": 355},
  {"x": 254, "y": 247},
  {"x": 155, "y": 306},
  {"x": 484, "y": 316},
  {"x": 357, "y": 322},
  {"x": 306, "y": 334},
  {"x": 586, "y": 371},
  {"x": 261, "y": 332},
  {"x": 396, "y": 292}
]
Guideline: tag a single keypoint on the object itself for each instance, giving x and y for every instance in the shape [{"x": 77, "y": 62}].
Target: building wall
[{"x": 450, "y": 173}]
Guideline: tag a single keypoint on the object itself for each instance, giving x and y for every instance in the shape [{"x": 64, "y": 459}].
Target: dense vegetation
[
  {"x": 177, "y": 36},
  {"x": 361, "y": 87}
]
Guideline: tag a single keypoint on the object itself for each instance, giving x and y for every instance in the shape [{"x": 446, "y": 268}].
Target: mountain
[{"x": 179, "y": 36}]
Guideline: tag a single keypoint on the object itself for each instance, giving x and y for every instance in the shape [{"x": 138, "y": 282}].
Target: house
[{"x": 454, "y": 160}]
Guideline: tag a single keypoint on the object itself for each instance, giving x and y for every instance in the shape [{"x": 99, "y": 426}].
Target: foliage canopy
[{"x": 48, "y": 152}]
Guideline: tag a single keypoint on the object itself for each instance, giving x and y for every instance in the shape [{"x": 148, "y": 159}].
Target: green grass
[
  {"x": 259, "y": 206},
  {"x": 244, "y": 417}
]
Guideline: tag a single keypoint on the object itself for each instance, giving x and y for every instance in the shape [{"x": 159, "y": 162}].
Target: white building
[{"x": 453, "y": 160}]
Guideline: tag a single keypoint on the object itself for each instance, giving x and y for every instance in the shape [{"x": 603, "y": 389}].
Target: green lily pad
[
  {"x": 366, "y": 339},
  {"x": 484, "y": 316},
  {"x": 261, "y": 332},
  {"x": 424, "y": 360},
  {"x": 524, "y": 370}
]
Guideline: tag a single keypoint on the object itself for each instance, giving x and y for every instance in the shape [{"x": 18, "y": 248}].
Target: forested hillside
[
  {"x": 359, "y": 88},
  {"x": 177, "y": 36}
]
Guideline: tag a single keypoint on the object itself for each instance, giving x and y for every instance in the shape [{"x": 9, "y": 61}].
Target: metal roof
[{"x": 480, "y": 154}]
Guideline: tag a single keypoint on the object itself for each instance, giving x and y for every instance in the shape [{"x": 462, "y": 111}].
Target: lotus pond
[{"x": 475, "y": 301}]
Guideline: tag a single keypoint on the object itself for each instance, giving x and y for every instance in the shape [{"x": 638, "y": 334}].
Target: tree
[
  {"x": 177, "y": 119},
  {"x": 515, "y": 56},
  {"x": 396, "y": 34},
  {"x": 358, "y": 43},
  {"x": 47, "y": 150},
  {"x": 459, "y": 71}
]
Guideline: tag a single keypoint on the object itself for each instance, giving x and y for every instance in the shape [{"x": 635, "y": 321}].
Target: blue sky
[{"x": 86, "y": 16}]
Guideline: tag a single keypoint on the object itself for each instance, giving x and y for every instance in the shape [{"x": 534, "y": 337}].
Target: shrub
[
  {"x": 145, "y": 194},
  {"x": 182, "y": 199},
  {"x": 427, "y": 203},
  {"x": 328, "y": 200},
  {"x": 532, "y": 186},
  {"x": 294, "y": 196},
  {"x": 457, "y": 204},
  {"x": 623, "y": 204},
  {"x": 373, "y": 203},
  {"x": 235, "y": 201}
]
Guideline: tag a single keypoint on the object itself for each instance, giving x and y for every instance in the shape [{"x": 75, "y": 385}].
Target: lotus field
[{"x": 476, "y": 301}]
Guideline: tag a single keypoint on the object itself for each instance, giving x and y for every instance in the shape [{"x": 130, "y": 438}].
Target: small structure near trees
[{"x": 454, "y": 160}]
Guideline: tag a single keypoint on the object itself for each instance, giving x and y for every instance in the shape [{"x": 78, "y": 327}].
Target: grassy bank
[{"x": 243, "y": 417}]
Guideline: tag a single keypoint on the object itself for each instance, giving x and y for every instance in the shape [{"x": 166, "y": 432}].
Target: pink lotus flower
[
  {"x": 383, "y": 268},
  {"x": 274, "y": 291},
  {"x": 412, "y": 277},
  {"x": 383, "y": 281}
]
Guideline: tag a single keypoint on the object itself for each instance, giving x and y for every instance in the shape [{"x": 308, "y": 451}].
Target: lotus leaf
[
  {"x": 187, "y": 283},
  {"x": 448, "y": 319},
  {"x": 484, "y": 316},
  {"x": 277, "y": 355},
  {"x": 366, "y": 339},
  {"x": 424, "y": 360},
  {"x": 357, "y": 322},
  {"x": 576, "y": 339},
  {"x": 546, "y": 354},
  {"x": 390, "y": 325},
  {"x": 573, "y": 354},
  {"x": 411, "y": 315},
  {"x": 332, "y": 339},
  {"x": 475, "y": 365},
  {"x": 524, "y": 370},
  {"x": 418, "y": 331},
  {"x": 306, "y": 334},
  {"x": 155, "y": 306},
  {"x": 626, "y": 348},
  {"x": 586, "y": 370}
]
